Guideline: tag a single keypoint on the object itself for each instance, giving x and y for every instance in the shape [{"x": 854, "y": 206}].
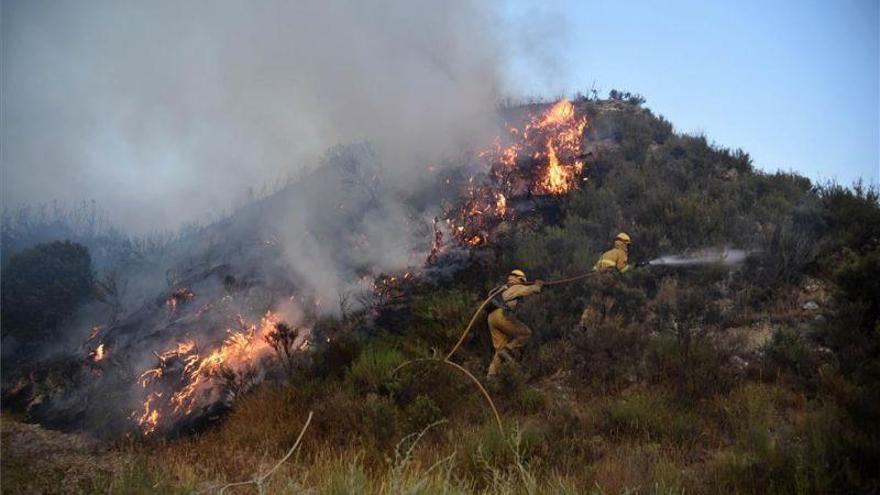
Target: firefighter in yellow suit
[
  {"x": 611, "y": 261},
  {"x": 507, "y": 331},
  {"x": 616, "y": 257}
]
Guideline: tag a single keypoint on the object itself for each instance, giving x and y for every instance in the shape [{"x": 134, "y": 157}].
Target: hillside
[{"x": 755, "y": 377}]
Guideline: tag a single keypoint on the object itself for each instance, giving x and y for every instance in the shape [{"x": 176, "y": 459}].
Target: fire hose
[
  {"x": 464, "y": 335},
  {"x": 499, "y": 289}
]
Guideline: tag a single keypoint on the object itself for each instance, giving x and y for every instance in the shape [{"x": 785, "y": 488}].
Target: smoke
[
  {"x": 163, "y": 111},
  {"x": 703, "y": 257}
]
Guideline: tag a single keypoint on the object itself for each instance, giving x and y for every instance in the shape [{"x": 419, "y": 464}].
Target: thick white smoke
[{"x": 162, "y": 111}]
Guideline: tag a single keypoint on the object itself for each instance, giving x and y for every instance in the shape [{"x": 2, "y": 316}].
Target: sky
[{"x": 793, "y": 83}]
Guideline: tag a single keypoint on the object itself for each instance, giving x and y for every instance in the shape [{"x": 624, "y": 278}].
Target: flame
[
  {"x": 99, "y": 353},
  {"x": 238, "y": 352},
  {"x": 561, "y": 112},
  {"x": 149, "y": 419},
  {"x": 541, "y": 158},
  {"x": 500, "y": 204},
  {"x": 558, "y": 178},
  {"x": 178, "y": 296}
]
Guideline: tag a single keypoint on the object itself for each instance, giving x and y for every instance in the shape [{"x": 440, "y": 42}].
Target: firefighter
[
  {"x": 507, "y": 331},
  {"x": 616, "y": 257},
  {"x": 612, "y": 261}
]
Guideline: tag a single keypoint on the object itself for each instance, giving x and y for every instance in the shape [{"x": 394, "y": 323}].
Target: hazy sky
[
  {"x": 794, "y": 83},
  {"x": 163, "y": 111}
]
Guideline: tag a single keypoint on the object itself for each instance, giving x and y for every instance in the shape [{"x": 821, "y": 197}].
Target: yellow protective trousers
[{"x": 507, "y": 332}]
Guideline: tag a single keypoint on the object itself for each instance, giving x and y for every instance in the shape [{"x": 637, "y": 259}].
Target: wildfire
[
  {"x": 98, "y": 355},
  {"x": 192, "y": 376},
  {"x": 556, "y": 137},
  {"x": 558, "y": 179},
  {"x": 178, "y": 296},
  {"x": 500, "y": 204},
  {"x": 541, "y": 158}
]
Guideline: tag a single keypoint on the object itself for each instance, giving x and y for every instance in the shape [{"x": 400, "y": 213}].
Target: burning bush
[
  {"x": 544, "y": 157},
  {"x": 187, "y": 379},
  {"x": 287, "y": 342}
]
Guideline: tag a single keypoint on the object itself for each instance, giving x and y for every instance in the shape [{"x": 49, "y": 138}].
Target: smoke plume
[{"x": 162, "y": 111}]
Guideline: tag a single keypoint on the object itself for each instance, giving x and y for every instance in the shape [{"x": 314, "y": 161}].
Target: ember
[{"x": 178, "y": 296}]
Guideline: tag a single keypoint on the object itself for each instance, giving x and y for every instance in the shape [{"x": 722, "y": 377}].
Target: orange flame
[
  {"x": 238, "y": 351},
  {"x": 541, "y": 159},
  {"x": 99, "y": 353},
  {"x": 500, "y": 204}
]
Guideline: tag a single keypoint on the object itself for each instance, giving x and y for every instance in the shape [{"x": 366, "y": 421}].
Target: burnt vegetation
[{"x": 762, "y": 378}]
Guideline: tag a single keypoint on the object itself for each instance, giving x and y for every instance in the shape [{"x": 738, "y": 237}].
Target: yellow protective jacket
[
  {"x": 615, "y": 257},
  {"x": 512, "y": 294}
]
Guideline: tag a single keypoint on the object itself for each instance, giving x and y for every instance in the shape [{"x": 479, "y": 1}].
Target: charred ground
[{"x": 758, "y": 379}]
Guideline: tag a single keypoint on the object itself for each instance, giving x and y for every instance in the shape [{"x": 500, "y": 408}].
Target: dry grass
[{"x": 636, "y": 441}]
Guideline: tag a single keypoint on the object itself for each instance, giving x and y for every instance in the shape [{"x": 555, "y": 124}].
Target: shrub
[
  {"x": 332, "y": 358},
  {"x": 441, "y": 316},
  {"x": 653, "y": 415},
  {"x": 821, "y": 452},
  {"x": 422, "y": 412},
  {"x": 682, "y": 349},
  {"x": 530, "y": 400},
  {"x": 607, "y": 355},
  {"x": 380, "y": 421},
  {"x": 44, "y": 285},
  {"x": 791, "y": 352},
  {"x": 374, "y": 367},
  {"x": 852, "y": 214},
  {"x": 858, "y": 277},
  {"x": 342, "y": 417},
  {"x": 283, "y": 341}
]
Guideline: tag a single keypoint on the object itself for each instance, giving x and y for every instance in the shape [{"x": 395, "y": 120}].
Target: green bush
[
  {"x": 422, "y": 412},
  {"x": 791, "y": 352},
  {"x": 334, "y": 356},
  {"x": 530, "y": 400},
  {"x": 653, "y": 415},
  {"x": 823, "y": 453},
  {"x": 852, "y": 214},
  {"x": 374, "y": 367},
  {"x": 380, "y": 420},
  {"x": 441, "y": 316},
  {"x": 608, "y": 355}
]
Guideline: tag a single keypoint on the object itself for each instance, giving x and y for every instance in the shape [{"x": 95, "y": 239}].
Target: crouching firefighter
[
  {"x": 507, "y": 331},
  {"x": 615, "y": 258},
  {"x": 603, "y": 299}
]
